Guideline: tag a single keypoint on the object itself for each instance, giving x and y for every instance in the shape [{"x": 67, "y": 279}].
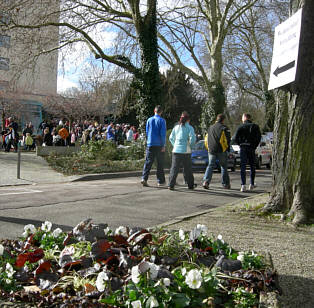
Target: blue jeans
[
  {"x": 247, "y": 155},
  {"x": 152, "y": 153},
  {"x": 223, "y": 161}
]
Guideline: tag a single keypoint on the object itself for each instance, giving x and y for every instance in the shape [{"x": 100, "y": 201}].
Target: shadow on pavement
[
  {"x": 36, "y": 223},
  {"x": 213, "y": 191},
  {"x": 297, "y": 292}
]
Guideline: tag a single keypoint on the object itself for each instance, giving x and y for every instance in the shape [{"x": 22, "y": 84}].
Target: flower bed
[{"x": 93, "y": 266}]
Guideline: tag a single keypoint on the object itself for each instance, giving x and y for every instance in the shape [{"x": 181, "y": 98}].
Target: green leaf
[
  {"x": 180, "y": 300},
  {"x": 133, "y": 295}
]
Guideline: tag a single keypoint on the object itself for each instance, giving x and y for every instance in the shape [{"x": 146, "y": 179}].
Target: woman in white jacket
[{"x": 183, "y": 139}]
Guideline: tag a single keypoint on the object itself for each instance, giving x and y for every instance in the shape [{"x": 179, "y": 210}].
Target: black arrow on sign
[{"x": 284, "y": 68}]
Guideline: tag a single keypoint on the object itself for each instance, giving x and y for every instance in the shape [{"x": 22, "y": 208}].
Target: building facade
[{"x": 28, "y": 71}]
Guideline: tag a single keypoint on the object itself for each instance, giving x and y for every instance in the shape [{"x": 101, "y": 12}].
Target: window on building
[
  {"x": 5, "y": 41},
  {"x": 4, "y": 64},
  {"x": 5, "y": 18},
  {"x": 3, "y": 84}
]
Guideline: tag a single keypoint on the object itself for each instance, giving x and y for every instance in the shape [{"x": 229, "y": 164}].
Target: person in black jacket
[
  {"x": 47, "y": 137},
  {"x": 248, "y": 137},
  {"x": 218, "y": 143}
]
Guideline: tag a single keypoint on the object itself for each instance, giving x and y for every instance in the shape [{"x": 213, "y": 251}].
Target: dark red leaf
[
  {"x": 103, "y": 245},
  {"x": 120, "y": 240},
  {"x": 36, "y": 255},
  {"x": 136, "y": 234},
  {"x": 67, "y": 238},
  {"x": 29, "y": 242},
  {"x": 32, "y": 257},
  {"x": 21, "y": 259},
  {"x": 73, "y": 265},
  {"x": 43, "y": 267},
  {"x": 143, "y": 237}
]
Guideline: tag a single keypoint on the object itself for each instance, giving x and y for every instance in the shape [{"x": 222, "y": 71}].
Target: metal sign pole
[{"x": 18, "y": 160}]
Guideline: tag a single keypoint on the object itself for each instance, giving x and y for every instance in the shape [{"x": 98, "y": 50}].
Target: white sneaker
[
  {"x": 144, "y": 183},
  {"x": 251, "y": 187},
  {"x": 243, "y": 188}
]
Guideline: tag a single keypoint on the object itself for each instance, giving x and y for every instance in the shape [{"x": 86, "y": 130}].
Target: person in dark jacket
[
  {"x": 47, "y": 137},
  {"x": 218, "y": 143},
  {"x": 248, "y": 137}
]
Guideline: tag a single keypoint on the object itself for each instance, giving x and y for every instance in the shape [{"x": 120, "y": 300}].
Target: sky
[
  {"x": 72, "y": 61},
  {"x": 71, "y": 67}
]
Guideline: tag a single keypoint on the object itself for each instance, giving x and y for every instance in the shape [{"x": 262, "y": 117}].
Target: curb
[
  {"x": 113, "y": 175},
  {"x": 186, "y": 217},
  {"x": 104, "y": 176}
]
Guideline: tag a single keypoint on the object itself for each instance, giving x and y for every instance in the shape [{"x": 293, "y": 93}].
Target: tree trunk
[
  {"x": 270, "y": 108},
  {"x": 148, "y": 81},
  {"x": 216, "y": 101},
  {"x": 293, "y": 176}
]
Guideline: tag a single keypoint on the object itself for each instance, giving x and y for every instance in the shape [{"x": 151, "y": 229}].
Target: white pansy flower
[
  {"x": 56, "y": 232},
  {"x": 254, "y": 254},
  {"x": 153, "y": 269},
  {"x": 219, "y": 237},
  {"x": 181, "y": 235},
  {"x": 136, "y": 304},
  {"x": 166, "y": 282},
  {"x": 97, "y": 266},
  {"x": 9, "y": 270},
  {"x": 135, "y": 274},
  {"x": 46, "y": 226},
  {"x": 106, "y": 230},
  {"x": 29, "y": 229},
  {"x": 152, "y": 302},
  {"x": 1, "y": 250},
  {"x": 194, "y": 279},
  {"x": 202, "y": 228},
  {"x": 198, "y": 231},
  {"x": 8, "y": 281},
  {"x": 101, "y": 281},
  {"x": 121, "y": 231},
  {"x": 240, "y": 256}
]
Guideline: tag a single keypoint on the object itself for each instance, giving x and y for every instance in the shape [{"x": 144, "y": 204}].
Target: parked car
[
  {"x": 263, "y": 153},
  {"x": 200, "y": 158}
]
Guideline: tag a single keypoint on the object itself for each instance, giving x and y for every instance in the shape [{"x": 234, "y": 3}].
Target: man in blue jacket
[{"x": 156, "y": 140}]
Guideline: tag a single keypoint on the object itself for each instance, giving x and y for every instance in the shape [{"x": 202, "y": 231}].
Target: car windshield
[{"x": 199, "y": 146}]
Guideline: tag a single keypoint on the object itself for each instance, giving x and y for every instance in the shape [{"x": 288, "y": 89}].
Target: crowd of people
[
  {"x": 59, "y": 133},
  {"x": 63, "y": 133}
]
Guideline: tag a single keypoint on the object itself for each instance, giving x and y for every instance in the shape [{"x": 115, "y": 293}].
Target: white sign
[{"x": 285, "y": 52}]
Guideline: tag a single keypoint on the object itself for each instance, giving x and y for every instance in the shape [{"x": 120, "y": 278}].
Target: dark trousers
[
  {"x": 152, "y": 153},
  {"x": 179, "y": 160},
  {"x": 11, "y": 142},
  {"x": 247, "y": 155}
]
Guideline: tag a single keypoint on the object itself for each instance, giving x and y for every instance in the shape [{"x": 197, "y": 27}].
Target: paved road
[{"x": 121, "y": 201}]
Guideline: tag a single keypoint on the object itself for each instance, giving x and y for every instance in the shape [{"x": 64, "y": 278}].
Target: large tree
[
  {"x": 179, "y": 93},
  {"x": 248, "y": 50},
  {"x": 196, "y": 28},
  {"x": 293, "y": 177},
  {"x": 87, "y": 22}
]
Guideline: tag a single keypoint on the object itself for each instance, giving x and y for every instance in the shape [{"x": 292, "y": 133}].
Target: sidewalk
[{"x": 34, "y": 169}]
